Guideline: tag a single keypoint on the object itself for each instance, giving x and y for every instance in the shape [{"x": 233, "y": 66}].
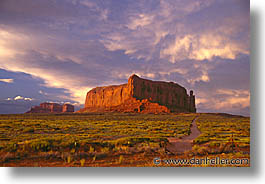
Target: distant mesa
[
  {"x": 51, "y": 108},
  {"x": 141, "y": 96}
]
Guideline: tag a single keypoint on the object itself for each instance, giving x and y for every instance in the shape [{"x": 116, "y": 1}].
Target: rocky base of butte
[{"x": 141, "y": 96}]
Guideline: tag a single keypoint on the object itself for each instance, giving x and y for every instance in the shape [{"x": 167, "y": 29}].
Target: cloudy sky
[{"x": 54, "y": 50}]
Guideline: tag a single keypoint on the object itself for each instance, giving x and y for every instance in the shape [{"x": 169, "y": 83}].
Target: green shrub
[
  {"x": 40, "y": 145},
  {"x": 28, "y": 130},
  {"x": 11, "y": 147},
  {"x": 201, "y": 140}
]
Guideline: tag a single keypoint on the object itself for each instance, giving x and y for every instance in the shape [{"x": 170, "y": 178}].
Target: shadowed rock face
[
  {"x": 51, "y": 108},
  {"x": 68, "y": 108},
  {"x": 140, "y": 95}
]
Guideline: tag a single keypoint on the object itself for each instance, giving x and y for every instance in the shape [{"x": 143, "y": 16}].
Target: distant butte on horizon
[
  {"x": 47, "y": 107},
  {"x": 140, "y": 96}
]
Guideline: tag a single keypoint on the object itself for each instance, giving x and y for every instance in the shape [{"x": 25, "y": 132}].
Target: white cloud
[
  {"x": 7, "y": 80},
  {"x": 20, "y": 98}
]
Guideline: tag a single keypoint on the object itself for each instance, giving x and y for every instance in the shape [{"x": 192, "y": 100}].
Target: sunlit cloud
[
  {"x": 201, "y": 47},
  {"x": 7, "y": 39},
  {"x": 52, "y": 78},
  {"x": 21, "y": 98},
  {"x": 180, "y": 40},
  {"x": 140, "y": 21},
  {"x": 7, "y": 80},
  {"x": 224, "y": 99}
]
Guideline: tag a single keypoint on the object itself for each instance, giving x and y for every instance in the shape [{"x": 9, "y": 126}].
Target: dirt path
[{"x": 177, "y": 145}]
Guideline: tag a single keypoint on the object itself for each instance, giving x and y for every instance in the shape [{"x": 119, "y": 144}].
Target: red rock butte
[
  {"x": 140, "y": 95},
  {"x": 51, "y": 108}
]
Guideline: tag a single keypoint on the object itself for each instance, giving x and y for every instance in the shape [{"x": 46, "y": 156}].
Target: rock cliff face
[
  {"x": 51, "y": 108},
  {"x": 68, "y": 108},
  {"x": 140, "y": 95}
]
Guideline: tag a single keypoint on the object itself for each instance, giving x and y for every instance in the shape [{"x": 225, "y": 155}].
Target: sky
[{"x": 56, "y": 51}]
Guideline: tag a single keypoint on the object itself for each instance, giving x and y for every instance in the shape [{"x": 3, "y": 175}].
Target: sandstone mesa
[{"x": 141, "y": 96}]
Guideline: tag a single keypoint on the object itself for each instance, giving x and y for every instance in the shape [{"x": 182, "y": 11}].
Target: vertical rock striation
[{"x": 140, "y": 95}]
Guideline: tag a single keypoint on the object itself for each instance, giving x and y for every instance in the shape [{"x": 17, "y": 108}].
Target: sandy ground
[{"x": 177, "y": 145}]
